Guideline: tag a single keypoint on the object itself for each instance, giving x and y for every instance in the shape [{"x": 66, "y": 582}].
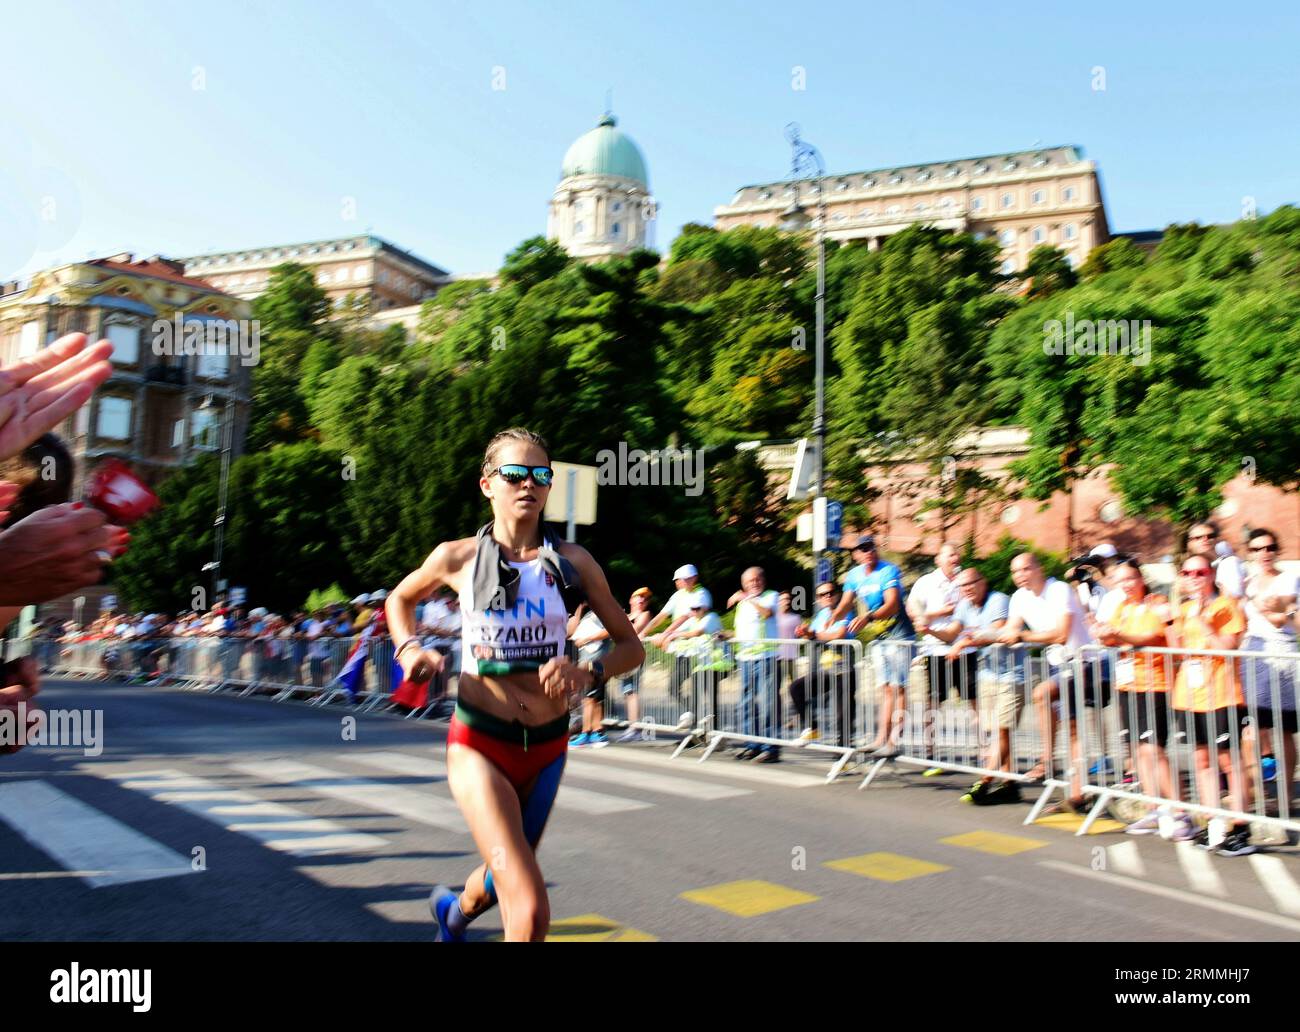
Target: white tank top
[{"x": 521, "y": 637}]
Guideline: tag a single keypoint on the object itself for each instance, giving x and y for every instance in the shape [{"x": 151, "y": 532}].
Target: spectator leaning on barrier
[
  {"x": 931, "y": 604},
  {"x": 1270, "y": 606},
  {"x": 755, "y": 606},
  {"x": 1142, "y": 679},
  {"x": 698, "y": 641},
  {"x": 788, "y": 623},
  {"x": 831, "y": 675},
  {"x": 1045, "y": 611},
  {"x": 678, "y": 607},
  {"x": 970, "y": 635},
  {"x": 878, "y": 586},
  {"x": 1208, "y": 701},
  {"x": 592, "y": 641},
  {"x": 639, "y": 615}
]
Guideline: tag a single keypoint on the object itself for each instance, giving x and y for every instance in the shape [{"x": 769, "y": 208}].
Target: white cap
[
  {"x": 1104, "y": 551},
  {"x": 1223, "y": 549},
  {"x": 686, "y": 571},
  {"x": 257, "y": 613},
  {"x": 360, "y": 600},
  {"x": 378, "y": 596}
]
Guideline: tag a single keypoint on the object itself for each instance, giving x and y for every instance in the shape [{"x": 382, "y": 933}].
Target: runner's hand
[
  {"x": 562, "y": 676},
  {"x": 419, "y": 665}
]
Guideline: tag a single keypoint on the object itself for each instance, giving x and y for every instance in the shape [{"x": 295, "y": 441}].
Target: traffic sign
[{"x": 834, "y": 524}]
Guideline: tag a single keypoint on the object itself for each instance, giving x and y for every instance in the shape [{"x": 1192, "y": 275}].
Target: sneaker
[
  {"x": 1236, "y": 842},
  {"x": 809, "y": 734},
  {"x": 440, "y": 901},
  {"x": 979, "y": 793},
  {"x": 1182, "y": 829},
  {"x": 579, "y": 741},
  {"x": 933, "y": 772},
  {"x": 768, "y": 756},
  {"x": 748, "y": 753},
  {"x": 1103, "y": 766},
  {"x": 597, "y": 740},
  {"x": 1268, "y": 768},
  {"x": 1148, "y": 825},
  {"x": 631, "y": 735},
  {"x": 1003, "y": 792}
]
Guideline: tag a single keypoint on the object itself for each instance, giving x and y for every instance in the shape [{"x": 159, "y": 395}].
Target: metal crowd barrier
[
  {"x": 1107, "y": 733},
  {"x": 764, "y": 694}
]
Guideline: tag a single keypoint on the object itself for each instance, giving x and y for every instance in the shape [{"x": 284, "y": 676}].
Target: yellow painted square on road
[
  {"x": 889, "y": 867},
  {"x": 594, "y": 928},
  {"x": 1071, "y": 822},
  {"x": 992, "y": 842},
  {"x": 749, "y": 898}
]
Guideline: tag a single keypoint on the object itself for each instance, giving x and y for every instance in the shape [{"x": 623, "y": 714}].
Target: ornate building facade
[{"x": 602, "y": 205}]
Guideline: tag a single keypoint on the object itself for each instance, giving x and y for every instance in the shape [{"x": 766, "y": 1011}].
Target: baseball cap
[
  {"x": 865, "y": 541},
  {"x": 643, "y": 591},
  {"x": 360, "y": 600},
  {"x": 688, "y": 570},
  {"x": 378, "y": 596},
  {"x": 1104, "y": 551}
]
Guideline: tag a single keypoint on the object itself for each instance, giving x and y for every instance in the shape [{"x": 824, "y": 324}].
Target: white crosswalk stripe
[
  {"x": 1125, "y": 859},
  {"x": 1198, "y": 866},
  {"x": 274, "y": 825},
  {"x": 414, "y": 804},
  {"x": 97, "y": 848},
  {"x": 1277, "y": 882},
  {"x": 652, "y": 782}
]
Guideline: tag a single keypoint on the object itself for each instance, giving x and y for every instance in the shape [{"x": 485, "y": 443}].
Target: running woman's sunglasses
[{"x": 514, "y": 473}]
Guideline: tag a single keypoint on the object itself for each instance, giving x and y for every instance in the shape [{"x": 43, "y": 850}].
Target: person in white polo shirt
[
  {"x": 678, "y": 607},
  {"x": 931, "y": 604},
  {"x": 755, "y": 604},
  {"x": 1046, "y": 611}
]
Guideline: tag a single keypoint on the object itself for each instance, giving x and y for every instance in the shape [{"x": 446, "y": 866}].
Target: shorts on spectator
[
  {"x": 596, "y": 692},
  {"x": 1265, "y": 717},
  {"x": 960, "y": 675},
  {"x": 1145, "y": 716},
  {"x": 1219, "y": 727},
  {"x": 1269, "y": 684},
  {"x": 890, "y": 660},
  {"x": 1096, "y": 686},
  {"x": 629, "y": 683}
]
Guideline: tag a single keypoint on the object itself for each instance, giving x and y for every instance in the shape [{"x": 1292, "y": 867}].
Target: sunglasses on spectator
[
  {"x": 514, "y": 473},
  {"x": 825, "y": 594},
  {"x": 1200, "y": 537},
  {"x": 1263, "y": 548},
  {"x": 1196, "y": 573}
]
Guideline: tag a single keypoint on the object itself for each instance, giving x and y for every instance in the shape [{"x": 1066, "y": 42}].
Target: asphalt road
[{"x": 233, "y": 819}]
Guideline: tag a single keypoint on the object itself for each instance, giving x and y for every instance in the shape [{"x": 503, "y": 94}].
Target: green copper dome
[{"x": 605, "y": 151}]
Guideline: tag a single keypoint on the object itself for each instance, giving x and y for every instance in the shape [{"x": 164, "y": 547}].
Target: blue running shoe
[
  {"x": 1103, "y": 766},
  {"x": 440, "y": 901},
  {"x": 1268, "y": 768},
  {"x": 578, "y": 741}
]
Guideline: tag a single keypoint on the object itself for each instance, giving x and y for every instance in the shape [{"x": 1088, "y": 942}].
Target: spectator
[
  {"x": 318, "y": 646},
  {"x": 755, "y": 606},
  {"x": 639, "y": 615},
  {"x": 363, "y": 614},
  {"x": 879, "y": 587},
  {"x": 832, "y": 674},
  {"x": 697, "y": 641},
  {"x": 592, "y": 641},
  {"x": 1208, "y": 700},
  {"x": 1202, "y": 540},
  {"x": 931, "y": 604},
  {"x": 788, "y": 623},
  {"x": 679, "y": 606},
  {"x": 1270, "y": 607},
  {"x": 1142, "y": 686},
  {"x": 1045, "y": 611}
]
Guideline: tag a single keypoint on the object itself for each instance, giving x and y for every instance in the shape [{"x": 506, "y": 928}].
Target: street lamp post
[
  {"x": 219, "y": 524},
  {"x": 806, "y": 163}
]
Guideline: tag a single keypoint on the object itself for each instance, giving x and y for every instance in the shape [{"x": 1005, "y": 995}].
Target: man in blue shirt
[{"x": 879, "y": 586}]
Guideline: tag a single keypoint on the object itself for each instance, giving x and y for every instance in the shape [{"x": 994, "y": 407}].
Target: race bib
[
  {"x": 1124, "y": 672},
  {"x": 1194, "y": 673}
]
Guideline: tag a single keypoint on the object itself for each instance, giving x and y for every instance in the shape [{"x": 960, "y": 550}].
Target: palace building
[{"x": 1024, "y": 199}]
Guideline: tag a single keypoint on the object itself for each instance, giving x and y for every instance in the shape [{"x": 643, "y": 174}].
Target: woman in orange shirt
[
  {"x": 1142, "y": 685},
  {"x": 1208, "y": 699}
]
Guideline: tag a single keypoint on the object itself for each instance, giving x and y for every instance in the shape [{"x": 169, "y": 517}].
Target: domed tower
[{"x": 602, "y": 205}]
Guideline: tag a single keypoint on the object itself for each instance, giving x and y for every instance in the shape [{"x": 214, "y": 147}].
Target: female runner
[{"x": 506, "y": 748}]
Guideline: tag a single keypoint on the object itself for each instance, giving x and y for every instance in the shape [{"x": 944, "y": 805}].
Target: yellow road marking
[
  {"x": 1072, "y": 822},
  {"x": 888, "y": 867},
  {"x": 749, "y": 898},
  {"x": 993, "y": 842}
]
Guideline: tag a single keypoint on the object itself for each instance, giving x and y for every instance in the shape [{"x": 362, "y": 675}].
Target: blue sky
[{"x": 105, "y": 144}]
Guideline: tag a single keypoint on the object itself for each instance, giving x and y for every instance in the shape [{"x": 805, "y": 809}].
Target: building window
[
  {"x": 866, "y": 213},
  {"x": 979, "y": 170},
  {"x": 203, "y": 429},
  {"x": 894, "y": 209},
  {"x": 579, "y": 228},
  {"x": 920, "y": 206},
  {"x": 977, "y": 204},
  {"x": 1068, "y": 194},
  {"x": 323, "y": 276},
  {"x": 1073, "y": 259},
  {"x": 1039, "y": 234},
  {"x": 1040, "y": 161},
  {"x": 1111, "y": 512},
  {"x": 1010, "y": 514},
  {"x": 178, "y": 433},
  {"x": 841, "y": 185},
  {"x": 30, "y": 341},
  {"x": 126, "y": 343},
  {"x": 114, "y": 418},
  {"x": 1009, "y": 166},
  {"x": 1007, "y": 237},
  {"x": 615, "y": 230},
  {"x": 946, "y": 203},
  {"x": 1070, "y": 231},
  {"x": 922, "y": 176},
  {"x": 951, "y": 174},
  {"x": 896, "y": 178},
  {"x": 839, "y": 217},
  {"x": 618, "y": 206},
  {"x": 1008, "y": 200},
  {"x": 1038, "y": 197},
  {"x": 215, "y": 365},
  {"x": 868, "y": 182},
  {"x": 359, "y": 273}
]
